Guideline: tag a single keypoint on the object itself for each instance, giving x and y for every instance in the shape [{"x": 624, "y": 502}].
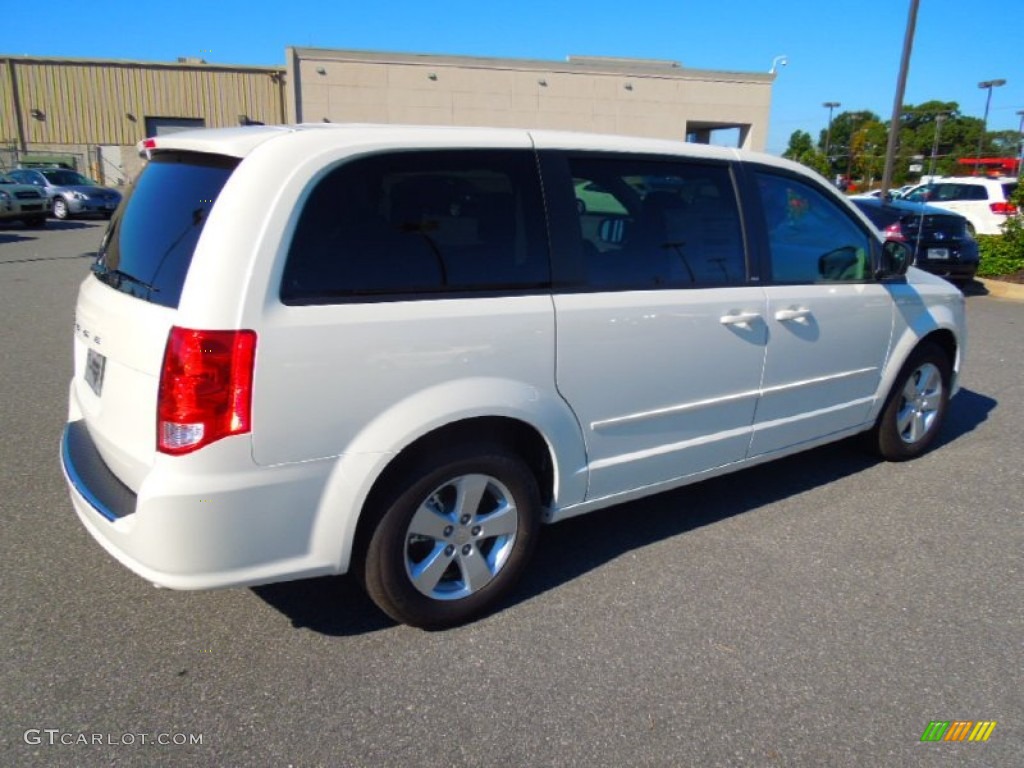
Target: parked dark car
[{"x": 939, "y": 238}]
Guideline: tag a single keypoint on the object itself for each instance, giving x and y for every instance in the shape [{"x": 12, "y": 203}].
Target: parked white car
[
  {"x": 397, "y": 351},
  {"x": 984, "y": 202}
]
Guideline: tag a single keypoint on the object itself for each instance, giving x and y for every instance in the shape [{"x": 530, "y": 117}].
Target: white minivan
[{"x": 397, "y": 351}]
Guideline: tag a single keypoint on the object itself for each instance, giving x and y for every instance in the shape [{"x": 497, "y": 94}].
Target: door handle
[
  {"x": 740, "y": 318},
  {"x": 793, "y": 314}
]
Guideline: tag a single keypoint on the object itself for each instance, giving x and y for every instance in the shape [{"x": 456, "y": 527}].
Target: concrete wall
[{"x": 632, "y": 97}]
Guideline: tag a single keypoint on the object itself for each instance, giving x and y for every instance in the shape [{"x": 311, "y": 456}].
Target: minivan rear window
[{"x": 147, "y": 250}]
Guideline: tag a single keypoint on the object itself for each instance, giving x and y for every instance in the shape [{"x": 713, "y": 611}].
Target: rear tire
[
  {"x": 456, "y": 540},
  {"x": 916, "y": 406}
]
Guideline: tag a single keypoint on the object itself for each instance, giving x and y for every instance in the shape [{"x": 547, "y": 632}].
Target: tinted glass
[
  {"x": 1009, "y": 190},
  {"x": 420, "y": 222},
  {"x": 918, "y": 195},
  {"x": 148, "y": 247},
  {"x": 27, "y": 177},
  {"x": 811, "y": 239},
  {"x": 66, "y": 178},
  {"x": 652, "y": 224}
]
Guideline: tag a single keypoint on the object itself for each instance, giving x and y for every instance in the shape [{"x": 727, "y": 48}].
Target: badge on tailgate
[{"x": 95, "y": 364}]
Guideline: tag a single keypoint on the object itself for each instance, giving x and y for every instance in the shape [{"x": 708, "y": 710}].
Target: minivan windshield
[{"x": 147, "y": 250}]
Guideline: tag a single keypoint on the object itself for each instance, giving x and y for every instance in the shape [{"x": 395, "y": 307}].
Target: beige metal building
[
  {"x": 94, "y": 112},
  {"x": 635, "y": 97}
]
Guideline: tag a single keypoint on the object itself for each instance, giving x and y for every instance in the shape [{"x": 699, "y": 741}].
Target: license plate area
[
  {"x": 95, "y": 366},
  {"x": 938, "y": 253}
]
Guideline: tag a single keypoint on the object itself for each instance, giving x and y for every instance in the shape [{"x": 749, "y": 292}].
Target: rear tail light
[
  {"x": 894, "y": 232},
  {"x": 1004, "y": 209},
  {"x": 205, "y": 388}
]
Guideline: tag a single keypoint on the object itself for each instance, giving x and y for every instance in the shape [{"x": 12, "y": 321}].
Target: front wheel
[
  {"x": 916, "y": 406},
  {"x": 60, "y": 208},
  {"x": 456, "y": 540}
]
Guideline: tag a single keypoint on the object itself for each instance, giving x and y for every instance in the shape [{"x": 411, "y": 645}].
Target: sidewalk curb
[{"x": 1002, "y": 290}]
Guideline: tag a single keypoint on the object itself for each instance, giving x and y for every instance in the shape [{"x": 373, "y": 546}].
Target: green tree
[
  {"x": 799, "y": 143},
  {"x": 957, "y": 134},
  {"x": 1004, "y": 143},
  {"x": 844, "y": 125},
  {"x": 867, "y": 151},
  {"x": 801, "y": 148}
]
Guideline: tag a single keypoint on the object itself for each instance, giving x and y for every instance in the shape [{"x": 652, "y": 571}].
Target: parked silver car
[
  {"x": 19, "y": 202},
  {"x": 70, "y": 193}
]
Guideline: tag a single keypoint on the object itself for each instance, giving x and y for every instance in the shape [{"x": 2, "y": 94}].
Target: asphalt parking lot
[{"x": 819, "y": 611}]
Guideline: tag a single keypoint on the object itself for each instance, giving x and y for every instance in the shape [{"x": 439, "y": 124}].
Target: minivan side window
[
  {"x": 647, "y": 224},
  {"x": 810, "y": 238},
  {"x": 420, "y": 222}
]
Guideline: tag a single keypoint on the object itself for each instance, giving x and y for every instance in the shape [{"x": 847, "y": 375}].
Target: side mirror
[{"x": 896, "y": 258}]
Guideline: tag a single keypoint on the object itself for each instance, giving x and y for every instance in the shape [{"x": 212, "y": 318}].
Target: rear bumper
[
  {"x": 90, "y": 477},
  {"x": 199, "y": 531},
  {"x": 955, "y": 270},
  {"x": 90, "y": 206}
]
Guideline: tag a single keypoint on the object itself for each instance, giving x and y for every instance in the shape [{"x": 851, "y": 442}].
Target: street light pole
[
  {"x": 829, "y": 105},
  {"x": 987, "y": 85},
  {"x": 1020, "y": 133},
  {"x": 897, "y": 105},
  {"x": 939, "y": 119}
]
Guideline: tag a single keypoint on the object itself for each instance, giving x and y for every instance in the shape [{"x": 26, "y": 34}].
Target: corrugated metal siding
[
  {"x": 86, "y": 102},
  {"x": 8, "y": 118}
]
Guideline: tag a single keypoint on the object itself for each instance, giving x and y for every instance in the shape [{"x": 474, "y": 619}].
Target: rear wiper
[{"x": 115, "y": 277}]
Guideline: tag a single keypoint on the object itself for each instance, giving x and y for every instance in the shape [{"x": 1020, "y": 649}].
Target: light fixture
[
  {"x": 243, "y": 119},
  {"x": 628, "y": 86},
  {"x": 38, "y": 114},
  {"x": 321, "y": 71},
  {"x": 778, "y": 61},
  {"x": 986, "y": 85},
  {"x": 131, "y": 117},
  {"x": 542, "y": 82},
  {"x": 432, "y": 76}
]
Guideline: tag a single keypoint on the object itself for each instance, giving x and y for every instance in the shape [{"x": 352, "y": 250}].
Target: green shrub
[
  {"x": 1004, "y": 254},
  {"x": 999, "y": 256}
]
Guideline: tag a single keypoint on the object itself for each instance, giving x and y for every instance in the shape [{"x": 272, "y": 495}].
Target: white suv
[
  {"x": 397, "y": 351},
  {"x": 985, "y": 203}
]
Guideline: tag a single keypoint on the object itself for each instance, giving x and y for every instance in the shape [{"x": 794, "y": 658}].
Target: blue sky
[{"x": 837, "y": 51}]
